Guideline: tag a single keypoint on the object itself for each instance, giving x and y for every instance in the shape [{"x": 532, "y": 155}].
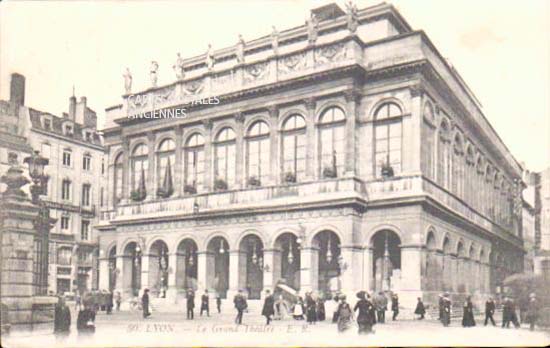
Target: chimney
[
  {"x": 80, "y": 111},
  {"x": 72, "y": 107},
  {"x": 330, "y": 11},
  {"x": 17, "y": 89}
]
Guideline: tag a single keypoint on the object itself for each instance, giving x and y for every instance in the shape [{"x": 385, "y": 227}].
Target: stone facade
[{"x": 350, "y": 158}]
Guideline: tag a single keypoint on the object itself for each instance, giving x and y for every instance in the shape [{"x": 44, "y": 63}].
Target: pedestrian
[
  {"x": 345, "y": 315},
  {"x": 62, "y": 318},
  {"x": 109, "y": 307},
  {"x": 320, "y": 304},
  {"x": 513, "y": 314},
  {"x": 532, "y": 311},
  {"x": 78, "y": 301},
  {"x": 268, "y": 310},
  {"x": 103, "y": 300},
  {"x": 240, "y": 304},
  {"x": 205, "y": 303},
  {"x": 489, "y": 311},
  {"x": 366, "y": 316},
  {"x": 145, "y": 303},
  {"x": 335, "y": 314},
  {"x": 446, "y": 310},
  {"x": 298, "y": 310},
  {"x": 420, "y": 309},
  {"x": 118, "y": 300},
  {"x": 468, "y": 313},
  {"x": 311, "y": 309},
  {"x": 381, "y": 306},
  {"x": 440, "y": 305},
  {"x": 190, "y": 304},
  {"x": 85, "y": 322},
  {"x": 395, "y": 306},
  {"x": 219, "y": 302}
]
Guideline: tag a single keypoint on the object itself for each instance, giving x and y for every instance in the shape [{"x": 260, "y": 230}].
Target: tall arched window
[
  {"x": 428, "y": 139},
  {"x": 118, "y": 174},
  {"x": 387, "y": 138},
  {"x": 457, "y": 166},
  {"x": 294, "y": 148},
  {"x": 332, "y": 142},
  {"x": 443, "y": 154},
  {"x": 224, "y": 158},
  {"x": 194, "y": 163},
  {"x": 166, "y": 158},
  {"x": 258, "y": 159},
  {"x": 140, "y": 164}
]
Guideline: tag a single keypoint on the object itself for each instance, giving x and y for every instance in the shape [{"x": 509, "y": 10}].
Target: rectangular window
[
  {"x": 84, "y": 230},
  {"x": 86, "y": 189},
  {"x": 87, "y": 162},
  {"x": 47, "y": 124},
  {"x": 64, "y": 222},
  {"x": 66, "y": 158},
  {"x": 101, "y": 197},
  {"x": 66, "y": 189}
]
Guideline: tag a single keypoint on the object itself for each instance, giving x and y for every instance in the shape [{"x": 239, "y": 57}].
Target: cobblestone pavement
[{"x": 128, "y": 328}]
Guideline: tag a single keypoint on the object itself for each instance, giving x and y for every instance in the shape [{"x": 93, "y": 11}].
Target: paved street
[{"x": 172, "y": 329}]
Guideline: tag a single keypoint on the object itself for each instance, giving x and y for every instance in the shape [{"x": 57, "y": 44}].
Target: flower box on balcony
[
  {"x": 329, "y": 172},
  {"x": 190, "y": 189},
  {"x": 162, "y": 193},
  {"x": 254, "y": 181},
  {"x": 387, "y": 171},
  {"x": 220, "y": 185},
  {"x": 289, "y": 177},
  {"x": 137, "y": 195}
]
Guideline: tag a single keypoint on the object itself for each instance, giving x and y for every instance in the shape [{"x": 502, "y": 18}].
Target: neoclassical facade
[{"x": 342, "y": 155}]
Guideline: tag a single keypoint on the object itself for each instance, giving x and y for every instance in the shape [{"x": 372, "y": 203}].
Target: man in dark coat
[
  {"x": 268, "y": 309},
  {"x": 109, "y": 306},
  {"x": 145, "y": 303},
  {"x": 446, "y": 310},
  {"x": 62, "y": 318},
  {"x": 395, "y": 306},
  {"x": 468, "y": 313},
  {"x": 205, "y": 303},
  {"x": 85, "y": 322},
  {"x": 219, "y": 302},
  {"x": 532, "y": 311},
  {"x": 489, "y": 311},
  {"x": 311, "y": 310},
  {"x": 190, "y": 304},
  {"x": 513, "y": 314},
  {"x": 240, "y": 304},
  {"x": 420, "y": 309},
  {"x": 381, "y": 306},
  {"x": 320, "y": 304}
]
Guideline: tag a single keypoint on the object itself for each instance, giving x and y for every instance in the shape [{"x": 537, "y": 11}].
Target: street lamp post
[{"x": 43, "y": 223}]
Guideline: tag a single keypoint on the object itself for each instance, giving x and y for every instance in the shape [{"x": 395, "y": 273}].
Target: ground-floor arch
[
  {"x": 386, "y": 265},
  {"x": 187, "y": 265},
  {"x": 217, "y": 266},
  {"x": 131, "y": 269},
  {"x": 326, "y": 245},
  {"x": 251, "y": 263},
  {"x": 286, "y": 260},
  {"x": 158, "y": 268}
]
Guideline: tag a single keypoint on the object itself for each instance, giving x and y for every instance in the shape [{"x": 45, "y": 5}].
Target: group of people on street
[
  {"x": 85, "y": 322},
  {"x": 313, "y": 307}
]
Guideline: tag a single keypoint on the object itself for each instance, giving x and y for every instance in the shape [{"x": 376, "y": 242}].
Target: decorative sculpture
[
  {"x": 154, "y": 73},
  {"x": 178, "y": 68},
  {"x": 209, "y": 57},
  {"x": 240, "y": 49},
  {"x": 127, "y": 81},
  {"x": 312, "y": 29},
  {"x": 351, "y": 16},
  {"x": 275, "y": 40}
]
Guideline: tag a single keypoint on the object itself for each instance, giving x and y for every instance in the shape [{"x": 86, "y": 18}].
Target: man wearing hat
[
  {"x": 446, "y": 309},
  {"x": 532, "y": 311},
  {"x": 240, "y": 304},
  {"x": 145, "y": 304}
]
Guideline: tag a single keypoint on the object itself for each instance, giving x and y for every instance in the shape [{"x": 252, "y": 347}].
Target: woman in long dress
[
  {"x": 365, "y": 317},
  {"x": 345, "y": 315},
  {"x": 298, "y": 311},
  {"x": 468, "y": 313},
  {"x": 320, "y": 309}
]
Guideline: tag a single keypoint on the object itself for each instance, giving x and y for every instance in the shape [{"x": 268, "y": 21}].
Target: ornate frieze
[
  {"x": 292, "y": 63},
  {"x": 330, "y": 53},
  {"x": 256, "y": 72}
]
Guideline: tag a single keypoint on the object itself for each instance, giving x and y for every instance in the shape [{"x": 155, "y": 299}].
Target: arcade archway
[
  {"x": 386, "y": 266},
  {"x": 187, "y": 265},
  {"x": 287, "y": 257},
  {"x": 251, "y": 255},
  {"x": 217, "y": 266},
  {"x": 327, "y": 244}
]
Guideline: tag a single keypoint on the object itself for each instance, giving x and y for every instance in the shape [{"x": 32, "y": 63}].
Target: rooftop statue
[
  {"x": 209, "y": 57},
  {"x": 240, "y": 49},
  {"x": 275, "y": 40},
  {"x": 178, "y": 68},
  {"x": 351, "y": 16},
  {"x": 312, "y": 28},
  {"x": 153, "y": 73},
  {"x": 127, "y": 81}
]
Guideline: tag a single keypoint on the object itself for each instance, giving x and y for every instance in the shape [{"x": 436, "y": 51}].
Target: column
[
  {"x": 412, "y": 132},
  {"x": 453, "y": 272},
  {"x": 234, "y": 273},
  {"x": 178, "y": 166},
  {"x": 104, "y": 273},
  {"x": 207, "y": 155},
  {"x": 172, "y": 289},
  {"x": 350, "y": 269},
  {"x": 477, "y": 277},
  {"x": 309, "y": 271},
  {"x": 126, "y": 168},
  {"x": 310, "y": 136},
  {"x": 274, "y": 136},
  {"x": 151, "y": 184},
  {"x": 271, "y": 268},
  {"x": 202, "y": 270},
  {"x": 366, "y": 279},
  {"x": 123, "y": 275},
  {"x": 352, "y": 98},
  {"x": 411, "y": 277},
  {"x": 145, "y": 259},
  {"x": 240, "y": 177},
  {"x": 439, "y": 259}
]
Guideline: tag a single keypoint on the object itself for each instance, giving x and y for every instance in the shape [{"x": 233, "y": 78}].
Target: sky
[{"x": 500, "y": 48}]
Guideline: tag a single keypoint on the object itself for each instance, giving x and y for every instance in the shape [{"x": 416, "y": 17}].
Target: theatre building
[{"x": 344, "y": 154}]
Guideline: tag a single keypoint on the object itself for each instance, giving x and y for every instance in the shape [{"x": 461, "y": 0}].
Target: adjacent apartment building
[
  {"x": 74, "y": 148},
  {"x": 342, "y": 155}
]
